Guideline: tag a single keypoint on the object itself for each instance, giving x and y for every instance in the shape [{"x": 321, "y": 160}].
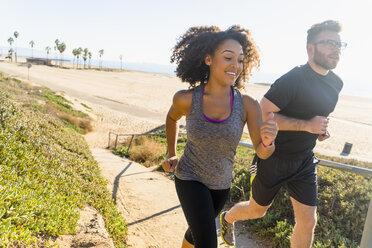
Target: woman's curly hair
[{"x": 192, "y": 48}]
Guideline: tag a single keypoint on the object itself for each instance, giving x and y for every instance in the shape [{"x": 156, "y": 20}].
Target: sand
[{"x": 135, "y": 102}]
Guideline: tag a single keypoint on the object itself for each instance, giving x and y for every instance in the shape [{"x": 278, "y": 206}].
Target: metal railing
[
  {"x": 366, "y": 241},
  {"x": 131, "y": 139}
]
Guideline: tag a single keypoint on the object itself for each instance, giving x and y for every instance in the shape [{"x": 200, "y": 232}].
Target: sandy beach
[{"x": 135, "y": 102}]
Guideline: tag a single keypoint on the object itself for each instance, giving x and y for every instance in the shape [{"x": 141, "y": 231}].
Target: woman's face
[{"x": 226, "y": 64}]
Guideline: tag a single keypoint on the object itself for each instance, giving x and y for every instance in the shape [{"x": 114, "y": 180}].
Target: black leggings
[{"x": 201, "y": 206}]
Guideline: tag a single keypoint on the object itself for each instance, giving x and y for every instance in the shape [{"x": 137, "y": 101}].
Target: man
[{"x": 301, "y": 100}]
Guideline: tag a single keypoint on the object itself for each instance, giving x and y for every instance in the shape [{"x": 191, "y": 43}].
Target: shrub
[
  {"x": 81, "y": 125},
  {"x": 146, "y": 151}
]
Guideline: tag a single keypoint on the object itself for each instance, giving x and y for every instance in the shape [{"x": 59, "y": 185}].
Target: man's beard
[{"x": 321, "y": 60}]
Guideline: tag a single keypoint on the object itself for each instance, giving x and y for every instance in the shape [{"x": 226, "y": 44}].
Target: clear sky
[{"x": 146, "y": 30}]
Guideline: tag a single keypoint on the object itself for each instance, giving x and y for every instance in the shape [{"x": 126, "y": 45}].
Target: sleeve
[
  {"x": 282, "y": 91},
  {"x": 339, "y": 83}
]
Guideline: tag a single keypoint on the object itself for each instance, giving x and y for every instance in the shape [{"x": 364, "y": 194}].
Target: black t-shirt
[{"x": 302, "y": 94}]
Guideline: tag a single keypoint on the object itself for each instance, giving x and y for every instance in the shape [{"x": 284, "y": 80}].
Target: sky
[{"x": 145, "y": 31}]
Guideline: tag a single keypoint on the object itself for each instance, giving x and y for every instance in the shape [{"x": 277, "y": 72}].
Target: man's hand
[
  {"x": 324, "y": 136},
  {"x": 317, "y": 125},
  {"x": 269, "y": 130},
  {"x": 169, "y": 165}
]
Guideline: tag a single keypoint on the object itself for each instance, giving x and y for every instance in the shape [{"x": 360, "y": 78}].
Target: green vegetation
[
  {"x": 85, "y": 106},
  {"x": 46, "y": 170},
  {"x": 343, "y": 202}
]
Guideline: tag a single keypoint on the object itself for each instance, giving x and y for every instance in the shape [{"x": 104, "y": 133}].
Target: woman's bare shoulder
[
  {"x": 183, "y": 98},
  {"x": 249, "y": 101}
]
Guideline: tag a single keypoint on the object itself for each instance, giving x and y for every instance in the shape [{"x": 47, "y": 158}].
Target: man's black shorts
[{"x": 299, "y": 176}]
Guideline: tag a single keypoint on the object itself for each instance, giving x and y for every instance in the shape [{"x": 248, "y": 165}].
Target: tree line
[{"x": 78, "y": 53}]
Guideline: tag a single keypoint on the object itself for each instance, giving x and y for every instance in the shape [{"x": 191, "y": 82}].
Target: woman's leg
[
  {"x": 200, "y": 206},
  {"x": 219, "y": 199}
]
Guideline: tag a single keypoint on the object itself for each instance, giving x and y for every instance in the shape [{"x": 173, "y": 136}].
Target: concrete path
[{"x": 149, "y": 203}]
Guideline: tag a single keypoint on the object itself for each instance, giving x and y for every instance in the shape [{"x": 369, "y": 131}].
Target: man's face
[{"x": 326, "y": 53}]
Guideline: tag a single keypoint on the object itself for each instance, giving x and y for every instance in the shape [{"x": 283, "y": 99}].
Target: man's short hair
[{"x": 317, "y": 28}]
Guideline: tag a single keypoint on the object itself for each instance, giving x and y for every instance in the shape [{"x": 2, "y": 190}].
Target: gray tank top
[{"x": 210, "y": 148}]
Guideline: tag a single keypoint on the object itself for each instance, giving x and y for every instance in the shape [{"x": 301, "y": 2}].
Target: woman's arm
[
  {"x": 180, "y": 107},
  {"x": 262, "y": 134}
]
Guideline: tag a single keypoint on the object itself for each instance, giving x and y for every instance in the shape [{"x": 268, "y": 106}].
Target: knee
[
  {"x": 261, "y": 212},
  {"x": 308, "y": 221},
  {"x": 257, "y": 212}
]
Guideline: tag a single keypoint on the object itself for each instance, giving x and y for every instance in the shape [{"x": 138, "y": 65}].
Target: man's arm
[{"x": 316, "y": 125}]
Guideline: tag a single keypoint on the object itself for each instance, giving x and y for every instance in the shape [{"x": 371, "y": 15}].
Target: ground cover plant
[{"x": 46, "y": 170}]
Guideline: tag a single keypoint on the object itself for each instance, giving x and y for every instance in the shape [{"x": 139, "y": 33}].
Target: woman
[{"x": 215, "y": 63}]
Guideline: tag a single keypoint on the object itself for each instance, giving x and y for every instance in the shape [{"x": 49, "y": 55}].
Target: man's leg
[
  {"x": 304, "y": 197},
  {"x": 241, "y": 211},
  {"x": 303, "y": 232},
  {"x": 265, "y": 185},
  {"x": 264, "y": 188},
  {"x": 245, "y": 210}
]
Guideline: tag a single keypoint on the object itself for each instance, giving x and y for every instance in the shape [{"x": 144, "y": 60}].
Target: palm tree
[
  {"x": 16, "y": 34},
  {"x": 55, "y": 49},
  {"x": 100, "y": 57},
  {"x": 90, "y": 57},
  {"x": 32, "y": 43},
  {"x": 121, "y": 61},
  {"x": 56, "y": 58},
  {"x": 10, "y": 41},
  {"x": 79, "y": 50},
  {"x": 74, "y": 52},
  {"x": 10, "y": 54},
  {"x": 61, "y": 49},
  {"x": 47, "y": 49},
  {"x": 85, "y": 56}
]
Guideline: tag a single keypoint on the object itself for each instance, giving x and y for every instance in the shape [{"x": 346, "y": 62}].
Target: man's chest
[{"x": 311, "y": 100}]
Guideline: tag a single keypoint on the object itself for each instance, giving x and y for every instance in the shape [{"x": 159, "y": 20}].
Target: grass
[
  {"x": 343, "y": 202},
  {"x": 85, "y": 106},
  {"x": 46, "y": 171}
]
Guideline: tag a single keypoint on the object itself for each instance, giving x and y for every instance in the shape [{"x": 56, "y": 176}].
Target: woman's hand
[
  {"x": 169, "y": 165},
  {"x": 269, "y": 130}
]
